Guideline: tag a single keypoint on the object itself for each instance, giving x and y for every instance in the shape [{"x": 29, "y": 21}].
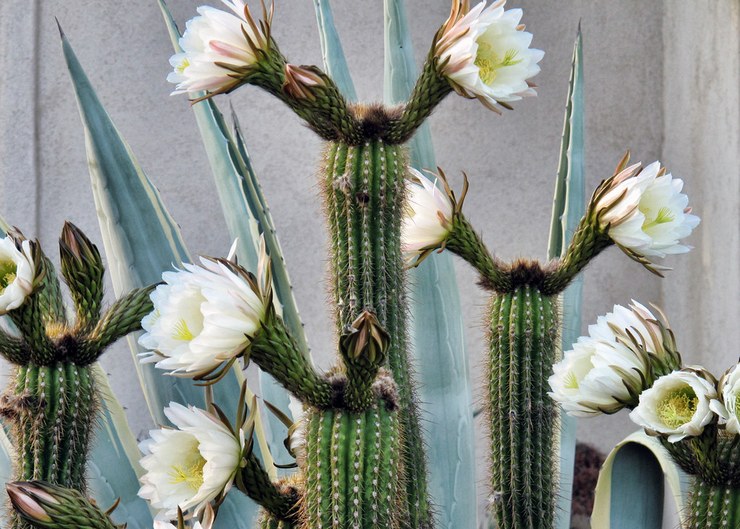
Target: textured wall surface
[{"x": 657, "y": 83}]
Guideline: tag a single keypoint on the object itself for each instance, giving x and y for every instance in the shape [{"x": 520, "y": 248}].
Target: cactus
[{"x": 52, "y": 404}]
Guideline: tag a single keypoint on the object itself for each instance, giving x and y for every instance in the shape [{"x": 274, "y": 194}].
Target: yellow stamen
[
  {"x": 182, "y": 331},
  {"x": 571, "y": 381},
  {"x": 8, "y": 271},
  {"x": 488, "y": 61},
  {"x": 184, "y": 63},
  {"x": 191, "y": 475},
  {"x": 664, "y": 215},
  {"x": 678, "y": 407}
]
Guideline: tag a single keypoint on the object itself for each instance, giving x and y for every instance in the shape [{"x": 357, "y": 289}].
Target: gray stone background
[{"x": 662, "y": 79}]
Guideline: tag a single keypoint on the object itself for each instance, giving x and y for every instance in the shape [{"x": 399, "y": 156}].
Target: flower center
[
  {"x": 678, "y": 407},
  {"x": 182, "y": 65},
  {"x": 8, "y": 270},
  {"x": 190, "y": 474},
  {"x": 737, "y": 407},
  {"x": 182, "y": 331},
  {"x": 664, "y": 215},
  {"x": 488, "y": 61},
  {"x": 571, "y": 380}
]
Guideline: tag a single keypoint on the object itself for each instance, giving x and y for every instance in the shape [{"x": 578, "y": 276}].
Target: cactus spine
[
  {"x": 351, "y": 469},
  {"x": 54, "y": 407},
  {"x": 713, "y": 506},
  {"x": 523, "y": 344},
  {"x": 364, "y": 194}
]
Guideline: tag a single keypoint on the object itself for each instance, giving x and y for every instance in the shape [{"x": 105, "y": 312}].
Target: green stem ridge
[
  {"x": 51, "y": 409},
  {"x": 276, "y": 352},
  {"x": 364, "y": 194},
  {"x": 713, "y": 506},
  {"x": 430, "y": 89},
  {"x": 523, "y": 341},
  {"x": 253, "y": 480},
  {"x": 465, "y": 242},
  {"x": 353, "y": 476},
  {"x": 587, "y": 242}
]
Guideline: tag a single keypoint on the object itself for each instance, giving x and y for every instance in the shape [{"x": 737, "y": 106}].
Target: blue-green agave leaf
[
  {"x": 630, "y": 490},
  {"x": 437, "y": 326},
  {"x": 113, "y": 469},
  {"x": 335, "y": 61},
  {"x": 141, "y": 241},
  {"x": 247, "y": 217},
  {"x": 568, "y": 208}
]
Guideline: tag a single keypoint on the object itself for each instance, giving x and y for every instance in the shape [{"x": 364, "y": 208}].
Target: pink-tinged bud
[
  {"x": 300, "y": 80},
  {"x": 25, "y": 499}
]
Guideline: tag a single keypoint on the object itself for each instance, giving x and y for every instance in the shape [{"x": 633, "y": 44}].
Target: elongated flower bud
[
  {"x": 47, "y": 506},
  {"x": 82, "y": 268}
]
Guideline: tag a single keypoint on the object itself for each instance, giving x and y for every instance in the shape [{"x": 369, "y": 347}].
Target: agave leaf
[
  {"x": 630, "y": 492},
  {"x": 247, "y": 217},
  {"x": 331, "y": 50},
  {"x": 141, "y": 241},
  {"x": 437, "y": 326},
  {"x": 568, "y": 208},
  {"x": 113, "y": 468}
]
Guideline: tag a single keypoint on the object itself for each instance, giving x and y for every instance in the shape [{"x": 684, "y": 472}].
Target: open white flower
[
  {"x": 728, "y": 405},
  {"x": 191, "y": 465},
  {"x": 644, "y": 212},
  {"x": 17, "y": 271},
  {"x": 606, "y": 370},
  {"x": 205, "y": 316},
  {"x": 216, "y": 49},
  {"x": 484, "y": 53},
  {"x": 428, "y": 217},
  {"x": 677, "y": 406}
]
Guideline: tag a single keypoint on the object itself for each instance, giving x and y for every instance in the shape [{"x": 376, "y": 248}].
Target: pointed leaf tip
[{"x": 59, "y": 27}]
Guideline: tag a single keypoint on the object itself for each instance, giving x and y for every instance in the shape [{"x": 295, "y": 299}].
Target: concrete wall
[{"x": 657, "y": 82}]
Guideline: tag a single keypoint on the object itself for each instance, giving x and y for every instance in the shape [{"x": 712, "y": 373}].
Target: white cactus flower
[
  {"x": 645, "y": 213},
  {"x": 605, "y": 371},
  {"x": 677, "y": 406},
  {"x": 17, "y": 271},
  {"x": 216, "y": 50},
  {"x": 191, "y": 465},
  {"x": 484, "y": 53},
  {"x": 728, "y": 405},
  {"x": 428, "y": 217},
  {"x": 204, "y": 316}
]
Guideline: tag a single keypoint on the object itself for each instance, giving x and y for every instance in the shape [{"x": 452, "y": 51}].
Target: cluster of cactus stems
[
  {"x": 362, "y": 462},
  {"x": 52, "y": 401}
]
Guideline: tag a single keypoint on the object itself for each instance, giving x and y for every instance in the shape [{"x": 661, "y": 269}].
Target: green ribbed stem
[
  {"x": 353, "y": 475},
  {"x": 267, "y": 521},
  {"x": 713, "y": 507},
  {"x": 523, "y": 341},
  {"x": 52, "y": 411},
  {"x": 364, "y": 193}
]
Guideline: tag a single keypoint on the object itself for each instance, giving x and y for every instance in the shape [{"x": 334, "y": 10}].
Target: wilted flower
[
  {"x": 728, "y": 404},
  {"x": 219, "y": 48},
  {"x": 644, "y": 212},
  {"x": 677, "y": 406},
  {"x": 428, "y": 218},
  {"x": 205, "y": 315},
  {"x": 484, "y": 53},
  {"x": 606, "y": 370},
  {"x": 191, "y": 465},
  {"x": 17, "y": 273}
]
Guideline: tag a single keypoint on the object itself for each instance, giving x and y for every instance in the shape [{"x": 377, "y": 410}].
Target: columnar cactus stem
[
  {"x": 364, "y": 193},
  {"x": 53, "y": 408},
  {"x": 713, "y": 506},
  {"x": 523, "y": 341},
  {"x": 353, "y": 475}
]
